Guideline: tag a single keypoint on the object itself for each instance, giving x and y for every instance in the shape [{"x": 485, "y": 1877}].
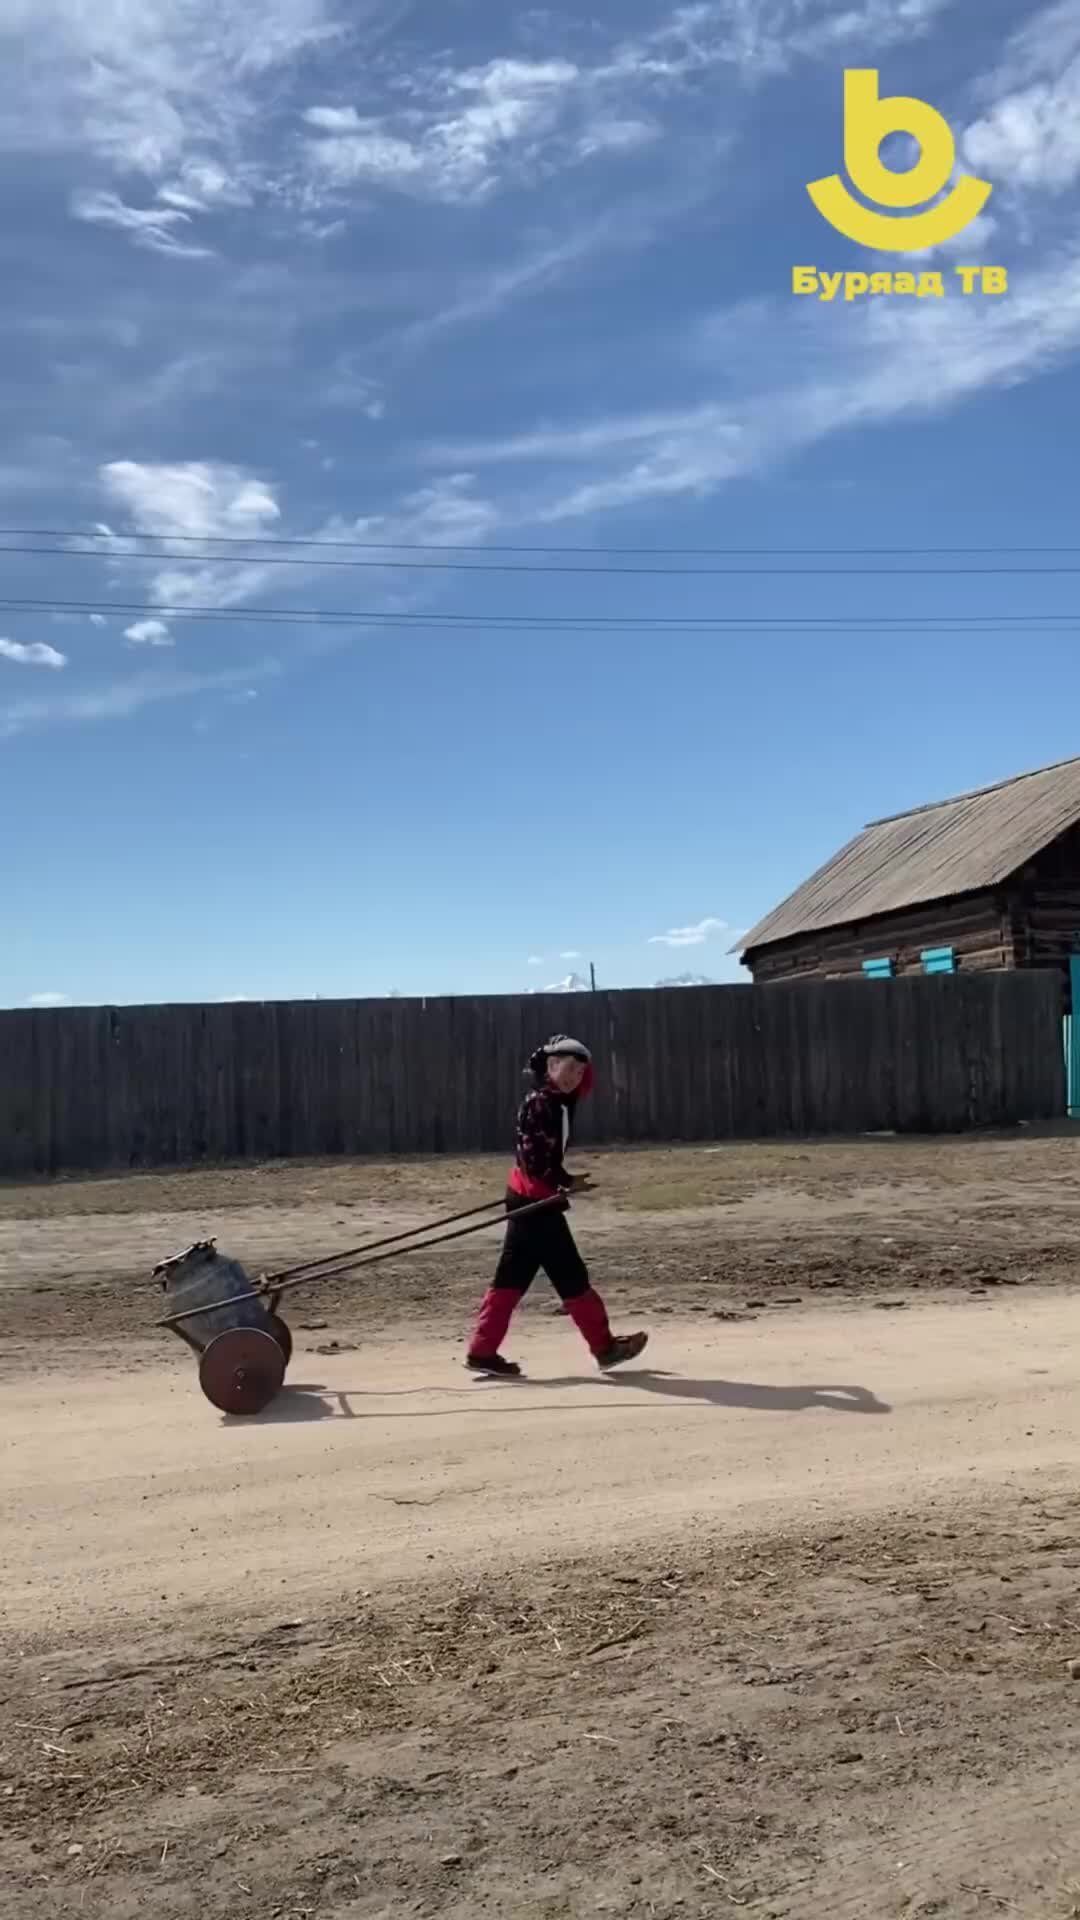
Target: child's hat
[{"x": 562, "y": 1046}]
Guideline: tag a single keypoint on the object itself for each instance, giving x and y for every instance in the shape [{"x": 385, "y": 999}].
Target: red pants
[{"x": 539, "y": 1242}]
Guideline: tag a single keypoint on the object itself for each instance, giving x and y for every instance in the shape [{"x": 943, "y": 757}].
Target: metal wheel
[
  {"x": 280, "y": 1330},
  {"x": 241, "y": 1370}
]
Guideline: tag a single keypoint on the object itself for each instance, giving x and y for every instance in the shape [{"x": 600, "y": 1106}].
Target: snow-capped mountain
[{"x": 572, "y": 984}]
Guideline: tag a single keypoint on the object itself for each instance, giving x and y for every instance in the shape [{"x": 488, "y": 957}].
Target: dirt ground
[{"x": 785, "y": 1622}]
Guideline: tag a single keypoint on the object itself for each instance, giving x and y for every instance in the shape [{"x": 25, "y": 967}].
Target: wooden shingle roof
[{"x": 932, "y": 853}]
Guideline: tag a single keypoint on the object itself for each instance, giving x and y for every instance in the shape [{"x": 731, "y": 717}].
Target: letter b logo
[{"x": 868, "y": 120}]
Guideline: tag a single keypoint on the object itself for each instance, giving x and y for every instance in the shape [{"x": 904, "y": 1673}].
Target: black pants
[{"x": 541, "y": 1241}]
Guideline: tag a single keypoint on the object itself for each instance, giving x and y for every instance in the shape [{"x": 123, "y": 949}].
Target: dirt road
[
  {"x": 784, "y": 1623},
  {"x": 387, "y": 1459}
]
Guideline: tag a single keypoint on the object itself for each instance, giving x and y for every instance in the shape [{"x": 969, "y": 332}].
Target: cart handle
[
  {"x": 369, "y": 1246},
  {"x": 372, "y": 1260}
]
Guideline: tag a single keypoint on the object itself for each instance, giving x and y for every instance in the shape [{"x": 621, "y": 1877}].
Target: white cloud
[
  {"x": 148, "y": 633},
  {"x": 198, "y": 498},
  {"x": 152, "y": 227},
  {"x": 694, "y": 936},
  {"x": 45, "y": 1000},
  {"x": 536, "y": 960},
  {"x": 201, "y": 186},
  {"x": 202, "y": 501},
  {"x": 196, "y": 501},
  {"x": 32, "y": 653},
  {"x": 617, "y": 136},
  {"x": 1029, "y": 137},
  {"x": 571, "y": 955},
  {"x": 334, "y": 119},
  {"x": 98, "y": 620}
]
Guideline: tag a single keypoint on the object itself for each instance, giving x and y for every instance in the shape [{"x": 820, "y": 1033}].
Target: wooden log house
[{"x": 987, "y": 880}]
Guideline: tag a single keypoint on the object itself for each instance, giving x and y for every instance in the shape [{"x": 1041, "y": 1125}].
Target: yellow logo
[{"x": 868, "y": 119}]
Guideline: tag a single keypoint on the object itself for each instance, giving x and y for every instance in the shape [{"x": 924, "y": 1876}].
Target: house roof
[{"x": 932, "y": 853}]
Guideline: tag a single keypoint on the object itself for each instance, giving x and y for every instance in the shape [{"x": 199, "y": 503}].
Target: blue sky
[{"x": 460, "y": 279}]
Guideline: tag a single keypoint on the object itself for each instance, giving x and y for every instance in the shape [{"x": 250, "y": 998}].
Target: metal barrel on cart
[{"x": 243, "y": 1345}]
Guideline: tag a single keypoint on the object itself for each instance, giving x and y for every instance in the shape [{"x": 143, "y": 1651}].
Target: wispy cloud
[
  {"x": 1028, "y": 137},
  {"x": 476, "y": 124},
  {"x": 890, "y": 361},
  {"x": 461, "y": 134},
  {"x": 158, "y": 228},
  {"x": 763, "y": 39},
  {"x": 166, "y": 89},
  {"x": 448, "y": 511},
  {"x": 42, "y": 1001},
  {"x": 123, "y": 698},
  {"x": 32, "y": 653}
]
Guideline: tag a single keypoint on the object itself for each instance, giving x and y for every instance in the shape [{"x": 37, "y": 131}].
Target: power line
[
  {"x": 465, "y": 546},
  {"x": 559, "y": 623},
  {"x": 517, "y": 566}
]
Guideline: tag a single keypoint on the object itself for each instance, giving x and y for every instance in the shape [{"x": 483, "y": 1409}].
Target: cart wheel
[
  {"x": 241, "y": 1370},
  {"x": 280, "y": 1330}
]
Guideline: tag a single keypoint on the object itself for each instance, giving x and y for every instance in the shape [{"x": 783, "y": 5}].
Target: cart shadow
[
  {"x": 295, "y": 1403},
  {"x": 304, "y": 1401}
]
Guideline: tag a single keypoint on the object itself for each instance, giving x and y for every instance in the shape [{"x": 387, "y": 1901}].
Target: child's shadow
[{"x": 740, "y": 1393}]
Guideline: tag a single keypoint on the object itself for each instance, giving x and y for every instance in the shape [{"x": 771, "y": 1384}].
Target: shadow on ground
[{"x": 312, "y": 1402}]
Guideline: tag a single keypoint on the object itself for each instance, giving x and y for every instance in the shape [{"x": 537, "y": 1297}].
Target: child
[{"x": 562, "y": 1074}]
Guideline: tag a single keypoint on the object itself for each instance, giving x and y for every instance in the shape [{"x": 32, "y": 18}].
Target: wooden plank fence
[{"x": 98, "y": 1087}]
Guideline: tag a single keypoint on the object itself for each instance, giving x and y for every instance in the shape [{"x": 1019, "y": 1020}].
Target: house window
[
  {"x": 878, "y": 969},
  {"x": 938, "y": 960}
]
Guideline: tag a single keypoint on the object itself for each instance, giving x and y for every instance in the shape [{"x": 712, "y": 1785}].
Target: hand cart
[{"x": 232, "y": 1322}]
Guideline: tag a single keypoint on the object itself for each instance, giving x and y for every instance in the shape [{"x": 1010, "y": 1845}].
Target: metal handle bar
[
  {"x": 372, "y": 1260},
  {"x": 390, "y": 1239}
]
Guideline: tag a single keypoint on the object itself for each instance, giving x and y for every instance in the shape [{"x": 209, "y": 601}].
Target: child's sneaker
[
  {"x": 626, "y": 1347},
  {"x": 499, "y": 1368}
]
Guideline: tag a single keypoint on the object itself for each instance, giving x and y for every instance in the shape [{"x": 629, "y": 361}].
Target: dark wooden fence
[{"x": 158, "y": 1086}]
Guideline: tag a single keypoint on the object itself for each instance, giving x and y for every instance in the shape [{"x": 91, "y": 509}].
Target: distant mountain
[{"x": 575, "y": 984}]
